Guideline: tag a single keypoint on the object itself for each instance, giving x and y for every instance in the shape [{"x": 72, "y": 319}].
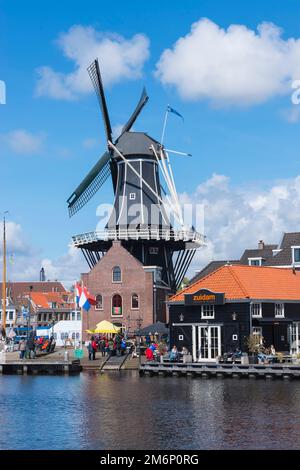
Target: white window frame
[
  {"x": 296, "y": 247},
  {"x": 132, "y": 196},
  {"x": 111, "y": 306},
  {"x": 255, "y": 259},
  {"x": 112, "y": 275},
  {"x": 211, "y": 315},
  {"x": 281, "y": 314},
  {"x": 138, "y": 301},
  {"x": 257, "y": 331},
  {"x": 101, "y": 308},
  {"x": 256, "y": 315}
]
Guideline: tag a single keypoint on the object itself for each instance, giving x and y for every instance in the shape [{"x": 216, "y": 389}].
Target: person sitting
[
  {"x": 149, "y": 354},
  {"x": 174, "y": 354},
  {"x": 237, "y": 354},
  {"x": 184, "y": 353}
]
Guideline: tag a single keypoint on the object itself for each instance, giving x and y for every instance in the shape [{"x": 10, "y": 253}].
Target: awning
[
  {"x": 274, "y": 320},
  {"x": 157, "y": 328},
  {"x": 106, "y": 327}
]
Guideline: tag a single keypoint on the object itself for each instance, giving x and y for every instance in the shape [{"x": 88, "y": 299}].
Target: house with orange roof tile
[{"x": 216, "y": 314}]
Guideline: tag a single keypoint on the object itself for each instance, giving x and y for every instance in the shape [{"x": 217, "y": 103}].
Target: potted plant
[
  {"x": 252, "y": 344},
  {"x": 279, "y": 357}
]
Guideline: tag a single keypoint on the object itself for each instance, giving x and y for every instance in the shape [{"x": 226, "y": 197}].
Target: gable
[{"x": 117, "y": 255}]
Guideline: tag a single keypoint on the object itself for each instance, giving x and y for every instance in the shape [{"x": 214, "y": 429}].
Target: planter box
[{"x": 253, "y": 359}]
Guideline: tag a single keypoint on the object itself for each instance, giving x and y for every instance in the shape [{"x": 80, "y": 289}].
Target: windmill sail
[
  {"x": 90, "y": 185},
  {"x": 143, "y": 100},
  {"x": 95, "y": 76}
]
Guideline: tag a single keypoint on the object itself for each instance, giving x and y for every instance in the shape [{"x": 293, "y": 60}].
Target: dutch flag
[
  {"x": 78, "y": 291},
  {"x": 86, "y": 299}
]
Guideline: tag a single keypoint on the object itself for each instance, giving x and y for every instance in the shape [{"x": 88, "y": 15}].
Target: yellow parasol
[
  {"x": 106, "y": 327},
  {"x": 90, "y": 332}
]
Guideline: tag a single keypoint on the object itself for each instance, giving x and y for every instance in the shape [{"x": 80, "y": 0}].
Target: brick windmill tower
[{"x": 139, "y": 257}]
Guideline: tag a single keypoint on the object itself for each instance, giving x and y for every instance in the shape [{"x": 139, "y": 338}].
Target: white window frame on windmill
[
  {"x": 132, "y": 196},
  {"x": 2, "y": 92}
]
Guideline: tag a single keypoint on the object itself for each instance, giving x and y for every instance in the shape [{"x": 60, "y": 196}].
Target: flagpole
[
  {"x": 164, "y": 126},
  {"x": 4, "y": 279},
  {"x": 75, "y": 306}
]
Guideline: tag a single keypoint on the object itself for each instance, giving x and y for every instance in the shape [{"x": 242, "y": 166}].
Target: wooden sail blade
[
  {"x": 90, "y": 185},
  {"x": 95, "y": 76},
  {"x": 143, "y": 100}
]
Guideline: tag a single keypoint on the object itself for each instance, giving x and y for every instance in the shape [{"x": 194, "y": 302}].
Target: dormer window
[
  {"x": 255, "y": 261},
  {"x": 132, "y": 196},
  {"x": 296, "y": 254}
]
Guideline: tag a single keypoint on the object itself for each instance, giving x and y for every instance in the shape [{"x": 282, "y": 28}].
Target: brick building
[{"x": 125, "y": 290}]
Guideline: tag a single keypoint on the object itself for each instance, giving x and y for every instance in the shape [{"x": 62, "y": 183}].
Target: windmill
[{"x": 140, "y": 218}]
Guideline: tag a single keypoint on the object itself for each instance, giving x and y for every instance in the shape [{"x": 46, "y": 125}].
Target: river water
[{"x": 123, "y": 411}]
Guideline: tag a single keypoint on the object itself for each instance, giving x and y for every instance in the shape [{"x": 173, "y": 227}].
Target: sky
[{"x": 228, "y": 67}]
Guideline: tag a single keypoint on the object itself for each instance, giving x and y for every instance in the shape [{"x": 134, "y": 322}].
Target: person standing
[
  {"x": 95, "y": 348},
  {"x": 22, "y": 348},
  {"x": 90, "y": 350}
]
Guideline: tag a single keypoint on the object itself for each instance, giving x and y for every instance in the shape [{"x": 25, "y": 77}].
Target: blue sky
[{"x": 255, "y": 144}]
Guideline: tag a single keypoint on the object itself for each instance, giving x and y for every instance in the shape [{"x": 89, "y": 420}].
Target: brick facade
[{"x": 134, "y": 280}]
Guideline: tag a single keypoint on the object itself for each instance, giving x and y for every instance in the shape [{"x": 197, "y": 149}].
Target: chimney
[{"x": 261, "y": 245}]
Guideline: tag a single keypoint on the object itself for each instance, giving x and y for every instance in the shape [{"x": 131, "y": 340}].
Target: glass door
[
  {"x": 209, "y": 343},
  {"x": 295, "y": 338}
]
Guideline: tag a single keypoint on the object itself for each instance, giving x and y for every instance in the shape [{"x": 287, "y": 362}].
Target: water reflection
[{"x": 124, "y": 411}]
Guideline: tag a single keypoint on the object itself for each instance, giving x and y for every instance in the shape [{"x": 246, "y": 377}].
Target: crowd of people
[
  {"x": 156, "y": 350},
  {"x": 107, "y": 346},
  {"x": 33, "y": 345}
]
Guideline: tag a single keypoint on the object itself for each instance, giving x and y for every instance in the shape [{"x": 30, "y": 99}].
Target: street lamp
[
  {"x": 139, "y": 324},
  {"x": 28, "y": 318}
]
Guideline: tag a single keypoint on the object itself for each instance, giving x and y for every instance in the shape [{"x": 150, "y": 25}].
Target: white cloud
[
  {"x": 89, "y": 143},
  {"x": 233, "y": 66},
  {"x": 23, "y": 142},
  {"x": 292, "y": 114},
  {"x": 236, "y": 219},
  {"x": 119, "y": 59},
  {"x": 25, "y": 261}
]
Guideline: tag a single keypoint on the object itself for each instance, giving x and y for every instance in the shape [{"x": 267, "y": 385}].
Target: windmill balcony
[{"x": 142, "y": 234}]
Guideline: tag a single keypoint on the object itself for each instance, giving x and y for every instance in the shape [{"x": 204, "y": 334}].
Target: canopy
[
  {"x": 157, "y": 328},
  {"x": 106, "y": 327},
  {"x": 90, "y": 331}
]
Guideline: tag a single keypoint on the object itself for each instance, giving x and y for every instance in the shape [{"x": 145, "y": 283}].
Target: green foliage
[{"x": 252, "y": 343}]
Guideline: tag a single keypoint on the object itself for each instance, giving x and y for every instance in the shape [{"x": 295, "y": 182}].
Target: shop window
[
  {"x": 99, "y": 302},
  {"x": 116, "y": 274},
  {"x": 116, "y": 309},
  {"x": 207, "y": 311},
  {"x": 134, "y": 301}
]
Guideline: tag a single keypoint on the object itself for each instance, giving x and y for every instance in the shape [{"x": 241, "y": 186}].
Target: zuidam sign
[{"x": 204, "y": 296}]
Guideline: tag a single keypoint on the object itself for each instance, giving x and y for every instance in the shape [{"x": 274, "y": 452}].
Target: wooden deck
[
  {"x": 40, "y": 367},
  {"x": 209, "y": 370}
]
